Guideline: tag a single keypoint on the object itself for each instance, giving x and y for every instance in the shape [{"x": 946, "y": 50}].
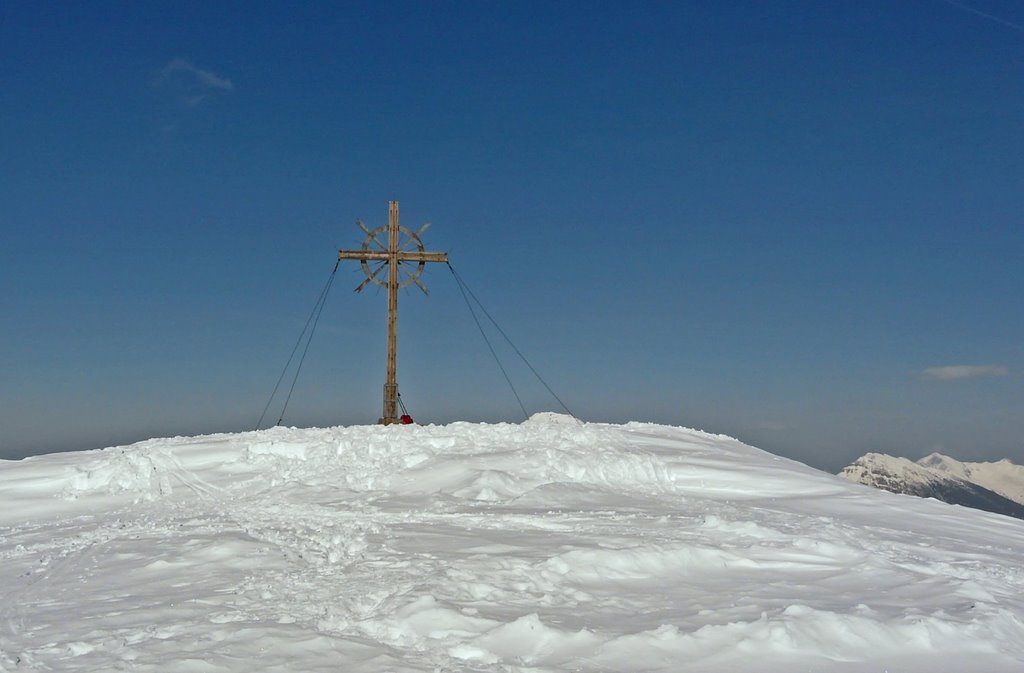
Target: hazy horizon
[{"x": 794, "y": 223}]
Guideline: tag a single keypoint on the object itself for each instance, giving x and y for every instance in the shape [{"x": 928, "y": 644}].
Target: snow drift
[{"x": 546, "y": 546}]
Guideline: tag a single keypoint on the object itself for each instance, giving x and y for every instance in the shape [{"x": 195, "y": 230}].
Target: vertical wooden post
[{"x": 391, "y": 385}]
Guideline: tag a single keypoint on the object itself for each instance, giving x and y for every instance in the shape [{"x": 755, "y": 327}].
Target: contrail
[{"x": 985, "y": 15}]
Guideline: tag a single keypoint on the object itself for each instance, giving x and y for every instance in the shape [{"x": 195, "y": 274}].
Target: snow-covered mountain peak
[
  {"x": 993, "y": 487},
  {"x": 1004, "y": 477},
  {"x": 937, "y": 461},
  {"x": 550, "y": 545},
  {"x": 886, "y": 467}
]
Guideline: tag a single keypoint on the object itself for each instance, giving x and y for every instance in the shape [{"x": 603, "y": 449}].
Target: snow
[
  {"x": 871, "y": 466},
  {"x": 1003, "y": 477},
  {"x": 550, "y": 545},
  {"x": 944, "y": 479}
]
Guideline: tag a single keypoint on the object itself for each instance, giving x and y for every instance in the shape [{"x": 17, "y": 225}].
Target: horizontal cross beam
[{"x": 402, "y": 256}]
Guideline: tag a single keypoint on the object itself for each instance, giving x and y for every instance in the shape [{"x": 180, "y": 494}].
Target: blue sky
[{"x": 783, "y": 221}]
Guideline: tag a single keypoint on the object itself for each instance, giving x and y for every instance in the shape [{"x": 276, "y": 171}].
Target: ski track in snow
[{"x": 545, "y": 546}]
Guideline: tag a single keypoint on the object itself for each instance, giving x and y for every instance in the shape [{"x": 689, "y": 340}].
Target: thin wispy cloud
[
  {"x": 957, "y": 372},
  {"x": 190, "y": 84},
  {"x": 203, "y": 77}
]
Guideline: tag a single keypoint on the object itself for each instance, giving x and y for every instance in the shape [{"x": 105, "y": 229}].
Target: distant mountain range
[{"x": 994, "y": 487}]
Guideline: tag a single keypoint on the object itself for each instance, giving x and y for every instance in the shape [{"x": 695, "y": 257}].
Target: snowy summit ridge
[
  {"x": 993, "y": 487},
  {"x": 1003, "y": 477},
  {"x": 549, "y": 545}
]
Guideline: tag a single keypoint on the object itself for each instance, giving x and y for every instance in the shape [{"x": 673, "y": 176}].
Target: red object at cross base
[{"x": 406, "y": 419}]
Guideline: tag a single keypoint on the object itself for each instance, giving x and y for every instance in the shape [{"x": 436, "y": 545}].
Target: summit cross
[{"x": 405, "y": 259}]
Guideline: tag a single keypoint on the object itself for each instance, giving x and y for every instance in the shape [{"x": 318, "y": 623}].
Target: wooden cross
[{"x": 397, "y": 253}]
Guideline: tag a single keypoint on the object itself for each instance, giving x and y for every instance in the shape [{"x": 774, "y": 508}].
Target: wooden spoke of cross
[{"x": 405, "y": 259}]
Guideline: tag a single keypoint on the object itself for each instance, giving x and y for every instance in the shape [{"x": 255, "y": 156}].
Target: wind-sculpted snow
[{"x": 546, "y": 546}]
